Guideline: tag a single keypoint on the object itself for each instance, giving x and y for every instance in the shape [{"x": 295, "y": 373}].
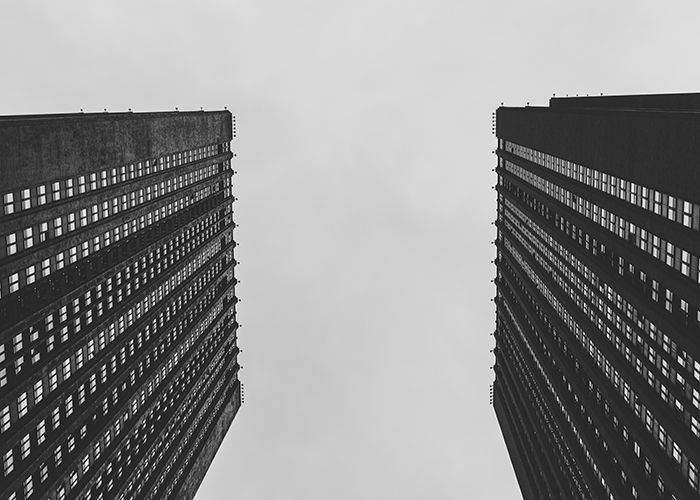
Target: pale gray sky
[{"x": 364, "y": 154}]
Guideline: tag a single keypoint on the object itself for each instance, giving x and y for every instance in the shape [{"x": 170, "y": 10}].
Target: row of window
[
  {"x": 166, "y": 367},
  {"x": 673, "y": 208},
  {"x": 665, "y": 251},
  {"x": 63, "y": 224},
  {"x": 604, "y": 317},
  {"x": 197, "y": 369},
  {"x": 68, "y": 321},
  {"x": 43, "y": 194},
  {"x": 591, "y": 245},
  {"x": 671, "y": 359},
  {"x": 60, "y": 371},
  {"x": 27, "y": 276},
  {"x": 575, "y": 403},
  {"x": 186, "y": 444},
  {"x": 645, "y": 416},
  {"x": 544, "y": 409},
  {"x": 180, "y": 431}
]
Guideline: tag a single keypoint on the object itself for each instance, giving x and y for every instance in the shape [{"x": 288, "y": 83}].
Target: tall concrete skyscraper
[
  {"x": 597, "y": 373},
  {"x": 118, "y": 356}
]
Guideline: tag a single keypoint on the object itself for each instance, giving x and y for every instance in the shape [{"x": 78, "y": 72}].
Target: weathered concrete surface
[
  {"x": 642, "y": 146},
  {"x": 42, "y": 148}
]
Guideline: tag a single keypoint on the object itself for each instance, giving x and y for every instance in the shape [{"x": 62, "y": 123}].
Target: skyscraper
[
  {"x": 597, "y": 372},
  {"x": 118, "y": 356}
]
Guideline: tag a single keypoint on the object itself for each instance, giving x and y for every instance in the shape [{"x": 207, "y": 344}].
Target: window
[
  {"x": 41, "y": 194},
  {"x": 26, "y": 200},
  {"x": 25, "y": 446},
  {"x": 687, "y": 214},
  {"x": 670, "y": 255},
  {"x": 657, "y": 203},
  {"x": 9, "y": 203},
  {"x": 28, "y": 238},
  {"x": 69, "y": 406},
  {"x": 671, "y": 209},
  {"x": 55, "y": 418},
  {"x": 66, "y": 369},
  {"x": 11, "y": 243},
  {"x": 45, "y": 267},
  {"x": 5, "y": 419},
  {"x": 53, "y": 379},
  {"x": 8, "y": 462},
  {"x": 43, "y": 231},
  {"x": 22, "y": 404},
  {"x": 81, "y": 184},
  {"x": 676, "y": 452},
  {"x": 71, "y": 222},
  {"x": 41, "y": 432},
  {"x": 57, "y": 226},
  {"x": 56, "y": 189},
  {"x": 14, "y": 282},
  {"x": 31, "y": 274},
  {"x": 38, "y": 391},
  {"x": 69, "y": 188}
]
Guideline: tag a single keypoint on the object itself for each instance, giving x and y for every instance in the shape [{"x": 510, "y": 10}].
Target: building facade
[
  {"x": 118, "y": 356},
  {"x": 597, "y": 372}
]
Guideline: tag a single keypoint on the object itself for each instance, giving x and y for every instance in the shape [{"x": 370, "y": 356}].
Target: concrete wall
[
  {"x": 48, "y": 147},
  {"x": 649, "y": 101},
  {"x": 660, "y": 150}
]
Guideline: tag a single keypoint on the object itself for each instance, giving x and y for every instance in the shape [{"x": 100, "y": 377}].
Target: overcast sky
[{"x": 364, "y": 158}]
